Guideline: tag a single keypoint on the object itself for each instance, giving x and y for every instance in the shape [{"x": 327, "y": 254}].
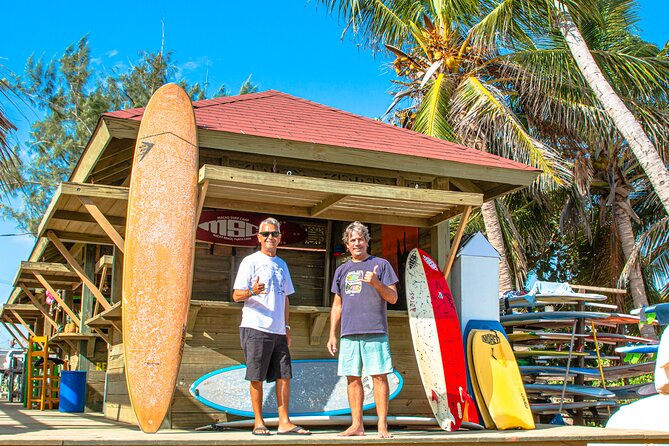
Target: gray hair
[
  {"x": 270, "y": 221},
  {"x": 357, "y": 227}
]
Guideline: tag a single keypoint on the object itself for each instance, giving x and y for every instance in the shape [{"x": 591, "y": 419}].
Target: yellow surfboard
[
  {"x": 480, "y": 401},
  {"x": 500, "y": 386},
  {"x": 159, "y": 252}
]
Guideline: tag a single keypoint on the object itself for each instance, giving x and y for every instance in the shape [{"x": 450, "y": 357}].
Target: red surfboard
[{"x": 460, "y": 402}]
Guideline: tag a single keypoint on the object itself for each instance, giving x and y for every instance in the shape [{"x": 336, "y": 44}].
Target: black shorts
[{"x": 266, "y": 354}]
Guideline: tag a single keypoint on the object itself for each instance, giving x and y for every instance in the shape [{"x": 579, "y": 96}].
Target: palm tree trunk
[
  {"x": 494, "y": 231},
  {"x": 636, "y": 284},
  {"x": 624, "y": 120}
]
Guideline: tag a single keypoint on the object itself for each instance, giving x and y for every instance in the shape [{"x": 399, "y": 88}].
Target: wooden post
[
  {"x": 78, "y": 269},
  {"x": 99, "y": 217},
  {"x": 23, "y": 322},
  {"x": 8, "y": 325},
  {"x": 87, "y": 301},
  {"x": 117, "y": 276},
  {"x": 456, "y": 241}
]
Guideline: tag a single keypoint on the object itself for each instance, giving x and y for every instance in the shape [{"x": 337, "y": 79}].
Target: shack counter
[{"x": 314, "y": 167}]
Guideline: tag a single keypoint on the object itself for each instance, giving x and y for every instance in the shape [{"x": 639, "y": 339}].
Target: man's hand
[
  {"x": 371, "y": 277},
  {"x": 332, "y": 345},
  {"x": 257, "y": 287},
  {"x": 289, "y": 339}
]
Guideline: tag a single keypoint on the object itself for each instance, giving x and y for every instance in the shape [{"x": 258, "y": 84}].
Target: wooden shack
[{"x": 313, "y": 167}]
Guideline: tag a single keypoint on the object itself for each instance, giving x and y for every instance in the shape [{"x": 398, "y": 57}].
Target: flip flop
[
  {"x": 297, "y": 430},
  {"x": 261, "y": 430}
]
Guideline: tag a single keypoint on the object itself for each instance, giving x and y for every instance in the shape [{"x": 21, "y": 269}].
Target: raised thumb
[
  {"x": 257, "y": 279},
  {"x": 376, "y": 269}
]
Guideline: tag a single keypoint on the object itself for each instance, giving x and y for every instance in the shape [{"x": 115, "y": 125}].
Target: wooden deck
[{"x": 31, "y": 427}]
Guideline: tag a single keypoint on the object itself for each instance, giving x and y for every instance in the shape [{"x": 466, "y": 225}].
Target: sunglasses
[{"x": 268, "y": 233}]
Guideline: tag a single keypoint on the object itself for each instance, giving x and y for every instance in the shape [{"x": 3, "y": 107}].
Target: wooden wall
[
  {"x": 216, "y": 268},
  {"x": 214, "y": 344}
]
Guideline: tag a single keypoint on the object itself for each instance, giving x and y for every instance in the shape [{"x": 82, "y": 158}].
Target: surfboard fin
[{"x": 435, "y": 397}]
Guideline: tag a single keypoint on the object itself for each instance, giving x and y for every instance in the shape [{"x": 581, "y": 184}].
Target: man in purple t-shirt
[{"x": 362, "y": 287}]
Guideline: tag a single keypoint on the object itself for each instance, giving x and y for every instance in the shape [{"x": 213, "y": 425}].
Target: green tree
[
  {"x": 8, "y": 159},
  {"x": 71, "y": 97}
]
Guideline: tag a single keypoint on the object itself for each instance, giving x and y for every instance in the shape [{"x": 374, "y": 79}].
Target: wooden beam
[
  {"x": 192, "y": 317},
  {"x": 37, "y": 304},
  {"x": 7, "y": 323},
  {"x": 317, "y": 324},
  {"x": 327, "y": 203},
  {"x": 102, "y": 334},
  {"x": 93, "y": 151},
  {"x": 82, "y": 237},
  {"x": 56, "y": 296},
  {"x": 78, "y": 269},
  {"x": 466, "y": 185},
  {"x": 23, "y": 322},
  {"x": 85, "y": 217},
  {"x": 220, "y": 175},
  {"x": 200, "y": 202},
  {"x": 95, "y": 212},
  {"x": 456, "y": 241},
  {"x": 373, "y": 159},
  {"x": 294, "y": 211},
  {"x": 18, "y": 341}
]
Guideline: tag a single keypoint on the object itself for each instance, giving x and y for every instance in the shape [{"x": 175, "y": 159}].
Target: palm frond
[{"x": 480, "y": 109}]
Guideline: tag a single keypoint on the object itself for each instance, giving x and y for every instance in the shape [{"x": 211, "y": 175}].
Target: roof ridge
[{"x": 236, "y": 98}]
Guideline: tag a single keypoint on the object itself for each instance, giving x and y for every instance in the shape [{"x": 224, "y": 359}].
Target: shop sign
[{"x": 240, "y": 229}]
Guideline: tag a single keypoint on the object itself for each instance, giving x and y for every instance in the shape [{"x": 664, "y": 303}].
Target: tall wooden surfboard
[
  {"x": 437, "y": 341},
  {"x": 159, "y": 250},
  {"x": 498, "y": 381}
]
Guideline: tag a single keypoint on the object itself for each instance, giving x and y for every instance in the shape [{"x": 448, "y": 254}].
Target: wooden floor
[{"x": 32, "y": 427}]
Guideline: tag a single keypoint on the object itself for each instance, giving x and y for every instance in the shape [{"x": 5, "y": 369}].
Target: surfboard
[
  {"x": 610, "y": 373},
  {"x": 633, "y": 391},
  {"x": 159, "y": 252},
  {"x": 323, "y": 420},
  {"x": 632, "y": 349},
  {"x": 315, "y": 390},
  {"x": 495, "y": 372},
  {"x": 570, "y": 389},
  {"x": 547, "y": 354},
  {"x": 425, "y": 337},
  {"x": 449, "y": 333},
  {"x": 555, "y": 298},
  {"x": 479, "y": 324},
  {"x": 551, "y": 315},
  {"x": 556, "y": 407}
]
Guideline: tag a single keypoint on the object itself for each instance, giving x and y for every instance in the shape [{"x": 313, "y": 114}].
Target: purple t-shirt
[{"x": 363, "y": 310}]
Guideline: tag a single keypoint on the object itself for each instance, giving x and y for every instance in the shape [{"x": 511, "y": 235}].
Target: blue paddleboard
[{"x": 315, "y": 389}]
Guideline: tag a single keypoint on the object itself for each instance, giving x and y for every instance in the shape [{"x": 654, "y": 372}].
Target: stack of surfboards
[
  {"x": 544, "y": 344},
  {"x": 437, "y": 341}
]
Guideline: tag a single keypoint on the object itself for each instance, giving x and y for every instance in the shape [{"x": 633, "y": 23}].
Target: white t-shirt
[{"x": 265, "y": 312}]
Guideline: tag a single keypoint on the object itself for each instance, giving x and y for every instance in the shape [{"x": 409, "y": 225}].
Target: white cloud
[{"x": 112, "y": 53}]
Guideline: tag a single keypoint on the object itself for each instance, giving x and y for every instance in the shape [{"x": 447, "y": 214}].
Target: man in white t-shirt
[{"x": 263, "y": 283}]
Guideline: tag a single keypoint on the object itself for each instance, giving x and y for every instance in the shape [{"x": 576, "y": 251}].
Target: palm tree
[
  {"x": 624, "y": 119},
  {"x": 542, "y": 89},
  {"x": 457, "y": 86}
]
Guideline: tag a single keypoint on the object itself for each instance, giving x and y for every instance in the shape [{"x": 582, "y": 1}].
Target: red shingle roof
[{"x": 273, "y": 114}]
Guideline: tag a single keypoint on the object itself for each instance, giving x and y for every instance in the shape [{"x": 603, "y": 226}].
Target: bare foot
[
  {"x": 353, "y": 431},
  {"x": 383, "y": 430}
]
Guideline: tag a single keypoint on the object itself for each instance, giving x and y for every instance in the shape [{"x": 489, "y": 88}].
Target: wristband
[
  {"x": 287, "y": 327},
  {"x": 251, "y": 291}
]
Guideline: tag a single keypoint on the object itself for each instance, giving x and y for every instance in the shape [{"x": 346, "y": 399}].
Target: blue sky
[{"x": 292, "y": 46}]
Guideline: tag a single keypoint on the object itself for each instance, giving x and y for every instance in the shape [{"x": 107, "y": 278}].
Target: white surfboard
[
  {"x": 315, "y": 390},
  {"x": 425, "y": 340},
  {"x": 335, "y": 420}
]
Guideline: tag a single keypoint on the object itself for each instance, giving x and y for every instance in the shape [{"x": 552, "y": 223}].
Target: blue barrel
[{"x": 72, "y": 391}]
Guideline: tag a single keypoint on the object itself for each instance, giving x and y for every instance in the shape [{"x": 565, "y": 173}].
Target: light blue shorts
[{"x": 364, "y": 355}]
